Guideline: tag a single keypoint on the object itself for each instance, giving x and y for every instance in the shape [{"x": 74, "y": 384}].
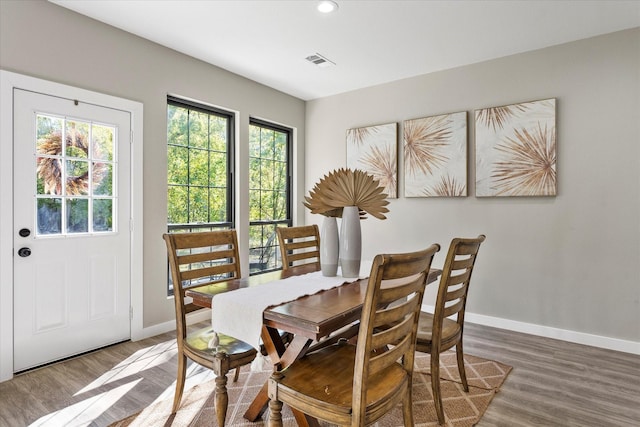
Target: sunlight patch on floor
[
  {"x": 86, "y": 411},
  {"x": 142, "y": 359},
  {"x": 196, "y": 374}
]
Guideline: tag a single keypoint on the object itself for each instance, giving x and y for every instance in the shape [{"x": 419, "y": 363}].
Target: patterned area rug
[{"x": 461, "y": 409}]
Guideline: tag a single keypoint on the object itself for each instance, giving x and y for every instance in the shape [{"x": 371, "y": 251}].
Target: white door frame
[{"x": 9, "y": 81}]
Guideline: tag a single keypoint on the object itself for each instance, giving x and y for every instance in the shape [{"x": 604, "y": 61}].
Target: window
[
  {"x": 75, "y": 176},
  {"x": 269, "y": 192},
  {"x": 199, "y": 168}
]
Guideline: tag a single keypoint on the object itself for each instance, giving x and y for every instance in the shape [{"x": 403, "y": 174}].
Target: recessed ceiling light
[{"x": 327, "y": 6}]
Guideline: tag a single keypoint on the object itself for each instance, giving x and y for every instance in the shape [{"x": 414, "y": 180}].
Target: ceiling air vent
[{"x": 319, "y": 60}]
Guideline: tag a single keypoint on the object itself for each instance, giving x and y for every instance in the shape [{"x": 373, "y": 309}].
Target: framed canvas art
[
  {"x": 374, "y": 149},
  {"x": 435, "y": 156},
  {"x": 516, "y": 149}
]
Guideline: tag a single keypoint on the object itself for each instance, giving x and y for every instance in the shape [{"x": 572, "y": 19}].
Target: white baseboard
[
  {"x": 161, "y": 328},
  {"x": 625, "y": 346}
]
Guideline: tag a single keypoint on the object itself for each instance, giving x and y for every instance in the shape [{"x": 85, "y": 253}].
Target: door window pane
[
  {"x": 103, "y": 139},
  {"x": 45, "y": 127},
  {"x": 49, "y": 175},
  {"x": 103, "y": 215},
  {"x": 102, "y": 179},
  {"x": 77, "y": 139},
  {"x": 70, "y": 160},
  {"x": 49, "y": 216},
  {"x": 77, "y": 177},
  {"x": 77, "y": 215}
]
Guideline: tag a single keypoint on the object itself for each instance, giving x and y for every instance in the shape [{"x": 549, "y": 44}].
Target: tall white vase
[
  {"x": 329, "y": 246},
  {"x": 350, "y": 242}
]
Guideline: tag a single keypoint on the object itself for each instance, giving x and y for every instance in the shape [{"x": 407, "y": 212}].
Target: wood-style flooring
[{"x": 553, "y": 383}]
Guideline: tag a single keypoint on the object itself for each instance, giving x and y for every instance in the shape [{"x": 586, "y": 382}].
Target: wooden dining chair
[
  {"x": 437, "y": 332},
  {"x": 198, "y": 259},
  {"x": 299, "y": 245},
  {"x": 355, "y": 385}
]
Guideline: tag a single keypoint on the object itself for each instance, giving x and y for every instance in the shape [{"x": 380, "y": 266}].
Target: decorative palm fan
[{"x": 346, "y": 187}]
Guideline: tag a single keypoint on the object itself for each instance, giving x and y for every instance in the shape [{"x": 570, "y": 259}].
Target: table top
[{"x": 313, "y": 316}]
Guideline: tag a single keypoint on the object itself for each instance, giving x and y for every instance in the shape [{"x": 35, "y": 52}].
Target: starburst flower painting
[
  {"x": 374, "y": 149},
  {"x": 516, "y": 150},
  {"x": 435, "y": 156}
]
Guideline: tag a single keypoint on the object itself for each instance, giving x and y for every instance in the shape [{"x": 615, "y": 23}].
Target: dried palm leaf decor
[
  {"x": 516, "y": 150},
  {"x": 347, "y": 187}
]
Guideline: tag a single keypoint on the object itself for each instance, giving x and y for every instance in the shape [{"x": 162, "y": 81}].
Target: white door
[{"x": 71, "y": 227}]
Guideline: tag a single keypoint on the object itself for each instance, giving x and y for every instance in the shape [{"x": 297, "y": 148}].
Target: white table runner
[{"x": 239, "y": 313}]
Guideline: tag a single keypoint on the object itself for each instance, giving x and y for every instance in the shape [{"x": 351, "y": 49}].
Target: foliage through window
[
  {"x": 199, "y": 168},
  {"x": 269, "y": 192}
]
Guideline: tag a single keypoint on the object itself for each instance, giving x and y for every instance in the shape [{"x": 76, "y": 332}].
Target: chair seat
[
  {"x": 198, "y": 342},
  {"x": 324, "y": 379},
  {"x": 450, "y": 331}
]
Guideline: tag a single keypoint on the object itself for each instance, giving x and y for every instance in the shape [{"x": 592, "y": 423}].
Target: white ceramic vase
[
  {"x": 329, "y": 246},
  {"x": 350, "y": 242}
]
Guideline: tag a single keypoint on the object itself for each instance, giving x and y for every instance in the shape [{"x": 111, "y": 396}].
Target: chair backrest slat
[
  {"x": 209, "y": 273},
  {"x": 390, "y": 356},
  {"x": 457, "y": 293},
  {"x": 218, "y": 254},
  {"x": 398, "y": 311},
  {"x": 302, "y": 244},
  {"x": 462, "y": 264},
  {"x": 392, "y": 333},
  {"x": 459, "y": 278},
  {"x": 292, "y": 258},
  {"x": 455, "y": 308}
]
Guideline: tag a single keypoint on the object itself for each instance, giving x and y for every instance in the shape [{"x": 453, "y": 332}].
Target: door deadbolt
[
  {"x": 24, "y": 232},
  {"x": 24, "y": 252}
]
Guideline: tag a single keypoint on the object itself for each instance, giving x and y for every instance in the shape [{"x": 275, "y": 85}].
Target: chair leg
[
  {"x": 275, "y": 413},
  {"x": 182, "y": 374},
  {"x": 221, "y": 399},
  {"x": 435, "y": 386},
  {"x": 407, "y": 410},
  {"x": 236, "y": 375},
  {"x": 461, "y": 371}
]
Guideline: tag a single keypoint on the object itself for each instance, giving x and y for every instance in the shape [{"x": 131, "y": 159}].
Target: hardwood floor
[{"x": 553, "y": 383}]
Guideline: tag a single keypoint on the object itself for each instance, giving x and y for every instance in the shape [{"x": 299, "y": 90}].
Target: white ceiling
[{"x": 371, "y": 42}]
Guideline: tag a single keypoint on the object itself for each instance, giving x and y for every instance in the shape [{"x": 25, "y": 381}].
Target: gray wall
[
  {"x": 49, "y": 42},
  {"x": 568, "y": 262}
]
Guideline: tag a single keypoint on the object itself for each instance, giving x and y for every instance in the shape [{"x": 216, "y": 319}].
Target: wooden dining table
[{"x": 310, "y": 319}]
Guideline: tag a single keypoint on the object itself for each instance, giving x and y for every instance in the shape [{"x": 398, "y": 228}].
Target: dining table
[{"x": 309, "y": 320}]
